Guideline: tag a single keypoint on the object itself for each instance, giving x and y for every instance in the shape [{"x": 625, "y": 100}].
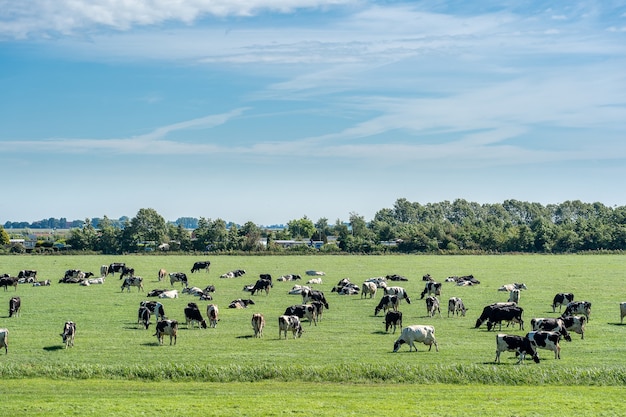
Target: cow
[
  {"x": 456, "y": 306},
  {"x": 127, "y": 271},
  {"x": 193, "y": 315},
  {"x": 513, "y": 343},
  {"x": 368, "y": 288},
  {"x": 166, "y": 327},
  {"x": 156, "y": 292},
  {"x": 307, "y": 311},
  {"x": 546, "y": 340},
  {"x": 514, "y": 286},
  {"x": 71, "y": 273},
  {"x": 416, "y": 333},
  {"x": 15, "y": 303},
  {"x": 509, "y": 314},
  {"x": 575, "y": 324},
  {"x": 69, "y": 332},
  {"x": 143, "y": 316},
  {"x": 213, "y": 313},
  {"x": 132, "y": 282},
  {"x": 578, "y": 307},
  {"x": 514, "y": 296},
  {"x": 432, "y": 306},
  {"x": 462, "y": 281},
  {"x": 314, "y": 295},
  {"x": 4, "y": 340},
  {"x": 315, "y": 273},
  {"x": 380, "y": 282},
  {"x": 261, "y": 285},
  {"x": 484, "y": 316},
  {"x": 258, "y": 323},
  {"x": 161, "y": 274},
  {"x": 396, "y": 277},
  {"x": 622, "y": 312},
  {"x": 289, "y": 277},
  {"x": 169, "y": 294},
  {"x": 8, "y": 281},
  {"x": 240, "y": 303},
  {"x": 27, "y": 273},
  {"x": 116, "y": 267},
  {"x": 427, "y": 277},
  {"x": 95, "y": 281},
  {"x": 289, "y": 323},
  {"x": 155, "y": 308},
  {"x": 562, "y": 299},
  {"x": 319, "y": 309},
  {"x": 387, "y": 302},
  {"x": 556, "y": 325},
  {"x": 431, "y": 288},
  {"x": 178, "y": 277},
  {"x": 45, "y": 283},
  {"x": 193, "y": 291},
  {"x": 104, "y": 270},
  {"x": 201, "y": 265},
  {"x": 393, "y": 318},
  {"x": 316, "y": 281},
  {"x": 400, "y": 292}
]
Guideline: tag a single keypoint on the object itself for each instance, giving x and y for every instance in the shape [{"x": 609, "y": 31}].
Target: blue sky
[{"x": 271, "y": 110}]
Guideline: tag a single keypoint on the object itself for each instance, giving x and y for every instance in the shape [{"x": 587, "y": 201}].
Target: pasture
[{"x": 349, "y": 346}]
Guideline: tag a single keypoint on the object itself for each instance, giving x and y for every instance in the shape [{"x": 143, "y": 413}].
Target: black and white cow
[
  {"x": 258, "y": 323},
  {"x": 15, "y": 303},
  {"x": 396, "y": 277},
  {"x": 575, "y": 324},
  {"x": 431, "y": 288},
  {"x": 387, "y": 302},
  {"x": 622, "y": 311},
  {"x": 513, "y": 343},
  {"x": 167, "y": 327},
  {"x": 155, "y": 308},
  {"x": 509, "y": 314},
  {"x": 69, "y": 332},
  {"x": 178, "y": 277},
  {"x": 484, "y": 316},
  {"x": 261, "y": 285},
  {"x": 546, "y": 340},
  {"x": 104, "y": 270},
  {"x": 307, "y": 311},
  {"x": 8, "y": 281},
  {"x": 116, "y": 267},
  {"x": 416, "y": 333},
  {"x": 432, "y": 306},
  {"x": 400, "y": 292},
  {"x": 27, "y": 273},
  {"x": 143, "y": 316},
  {"x": 133, "y": 282},
  {"x": 313, "y": 295},
  {"x": 556, "y": 325},
  {"x": 514, "y": 296},
  {"x": 562, "y": 299},
  {"x": 213, "y": 313},
  {"x": 456, "y": 306},
  {"x": 233, "y": 274},
  {"x": 393, "y": 318},
  {"x": 193, "y": 315},
  {"x": 156, "y": 292},
  {"x": 513, "y": 286},
  {"x": 197, "y": 266},
  {"x": 71, "y": 273},
  {"x": 578, "y": 307},
  {"x": 289, "y": 323},
  {"x": 240, "y": 303},
  {"x": 4, "y": 340},
  {"x": 319, "y": 309},
  {"x": 127, "y": 271}
]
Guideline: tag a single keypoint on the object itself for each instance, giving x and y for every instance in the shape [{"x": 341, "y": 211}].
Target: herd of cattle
[{"x": 545, "y": 333}]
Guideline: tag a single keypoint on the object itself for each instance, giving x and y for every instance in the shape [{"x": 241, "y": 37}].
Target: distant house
[{"x": 293, "y": 243}]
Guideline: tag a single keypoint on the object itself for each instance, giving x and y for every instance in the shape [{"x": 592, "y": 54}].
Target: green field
[{"x": 348, "y": 353}]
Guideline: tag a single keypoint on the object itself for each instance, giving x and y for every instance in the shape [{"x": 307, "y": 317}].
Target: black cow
[
  {"x": 8, "y": 281},
  {"x": 127, "y": 271},
  {"x": 116, "y": 267},
  {"x": 509, "y": 314},
  {"x": 396, "y": 277},
  {"x": 303, "y": 310},
  {"x": 261, "y": 285},
  {"x": 556, "y": 325},
  {"x": 393, "y": 318},
  {"x": 314, "y": 295},
  {"x": 27, "y": 273},
  {"x": 562, "y": 299},
  {"x": 14, "y": 306},
  {"x": 193, "y": 315},
  {"x": 484, "y": 316},
  {"x": 431, "y": 287},
  {"x": 387, "y": 302},
  {"x": 513, "y": 343},
  {"x": 201, "y": 265}
]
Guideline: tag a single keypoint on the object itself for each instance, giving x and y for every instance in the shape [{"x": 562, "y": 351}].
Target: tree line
[{"x": 459, "y": 226}]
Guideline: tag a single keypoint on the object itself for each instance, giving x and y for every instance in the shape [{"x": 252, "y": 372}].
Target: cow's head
[{"x": 398, "y": 343}]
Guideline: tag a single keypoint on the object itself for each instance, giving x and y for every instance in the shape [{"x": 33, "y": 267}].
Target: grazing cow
[
  {"x": 393, "y": 318},
  {"x": 261, "y": 285},
  {"x": 400, "y": 292},
  {"x": 166, "y": 327},
  {"x": 169, "y": 294},
  {"x": 578, "y": 307},
  {"x": 178, "y": 277},
  {"x": 514, "y": 296},
  {"x": 368, "y": 288},
  {"x": 143, "y": 316},
  {"x": 315, "y": 273},
  {"x": 513, "y": 343},
  {"x": 240, "y": 303},
  {"x": 201, "y": 265},
  {"x": 132, "y": 282},
  {"x": 292, "y": 323},
  {"x": 484, "y": 316},
  {"x": 69, "y": 332},
  {"x": 432, "y": 306},
  {"x": 456, "y": 306},
  {"x": 546, "y": 340},
  {"x": 307, "y": 311},
  {"x": 4, "y": 340},
  {"x": 562, "y": 299},
  {"x": 213, "y": 314},
  {"x": 27, "y": 273},
  {"x": 514, "y": 286},
  {"x": 258, "y": 323},
  {"x": 508, "y": 314},
  {"x": 127, "y": 271},
  {"x": 575, "y": 324},
  {"x": 431, "y": 288},
  {"x": 427, "y": 277},
  {"x": 104, "y": 270},
  {"x": 8, "y": 281},
  {"x": 622, "y": 312},
  {"x": 193, "y": 315},
  {"x": 155, "y": 308},
  {"x": 116, "y": 267},
  {"x": 387, "y": 302},
  {"x": 161, "y": 274},
  {"x": 314, "y": 295},
  {"x": 15, "y": 303},
  {"x": 556, "y": 325},
  {"x": 416, "y": 333}
]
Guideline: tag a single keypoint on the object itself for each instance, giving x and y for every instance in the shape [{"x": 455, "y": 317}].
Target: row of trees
[{"x": 407, "y": 227}]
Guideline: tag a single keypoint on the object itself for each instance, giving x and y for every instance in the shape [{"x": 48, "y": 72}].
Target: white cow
[
  {"x": 169, "y": 294},
  {"x": 212, "y": 313},
  {"x": 510, "y": 287},
  {"x": 514, "y": 296},
  {"x": 258, "y": 323},
  {"x": 368, "y": 288},
  {"x": 417, "y": 333},
  {"x": 314, "y": 281}
]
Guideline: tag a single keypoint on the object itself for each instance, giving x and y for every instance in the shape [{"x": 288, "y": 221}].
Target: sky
[{"x": 272, "y": 110}]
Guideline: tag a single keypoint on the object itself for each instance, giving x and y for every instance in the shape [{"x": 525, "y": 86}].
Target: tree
[
  {"x": 148, "y": 226},
  {"x": 5, "y": 239},
  {"x": 109, "y": 237},
  {"x": 301, "y": 229}
]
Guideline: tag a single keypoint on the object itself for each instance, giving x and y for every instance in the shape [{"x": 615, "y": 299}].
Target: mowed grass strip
[{"x": 348, "y": 345}]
